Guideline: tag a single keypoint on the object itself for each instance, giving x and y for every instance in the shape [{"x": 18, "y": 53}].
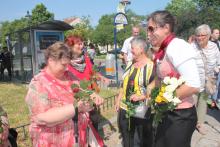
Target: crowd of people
[{"x": 56, "y": 116}]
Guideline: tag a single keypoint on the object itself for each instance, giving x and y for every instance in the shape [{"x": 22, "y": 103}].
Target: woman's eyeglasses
[
  {"x": 151, "y": 29},
  {"x": 201, "y": 35}
]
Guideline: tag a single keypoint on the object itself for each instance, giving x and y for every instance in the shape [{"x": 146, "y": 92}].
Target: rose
[
  {"x": 168, "y": 96},
  {"x": 166, "y": 80},
  {"x": 180, "y": 81},
  {"x": 170, "y": 88},
  {"x": 174, "y": 82},
  {"x": 76, "y": 90},
  {"x": 176, "y": 100}
]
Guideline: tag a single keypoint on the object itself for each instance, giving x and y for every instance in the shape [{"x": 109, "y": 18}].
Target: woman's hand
[
  {"x": 4, "y": 134},
  {"x": 98, "y": 100},
  {"x": 136, "y": 97},
  {"x": 84, "y": 107}
]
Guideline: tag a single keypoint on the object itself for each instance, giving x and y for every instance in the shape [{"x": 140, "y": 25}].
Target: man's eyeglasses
[{"x": 151, "y": 29}]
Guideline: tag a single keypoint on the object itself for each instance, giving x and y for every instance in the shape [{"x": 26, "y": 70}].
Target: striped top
[
  {"x": 212, "y": 58},
  {"x": 141, "y": 78}
]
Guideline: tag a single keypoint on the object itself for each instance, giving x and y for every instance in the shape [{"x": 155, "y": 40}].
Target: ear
[
  {"x": 50, "y": 60},
  {"x": 167, "y": 27}
]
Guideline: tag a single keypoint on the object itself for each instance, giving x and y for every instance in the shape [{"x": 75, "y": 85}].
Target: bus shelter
[{"x": 28, "y": 45}]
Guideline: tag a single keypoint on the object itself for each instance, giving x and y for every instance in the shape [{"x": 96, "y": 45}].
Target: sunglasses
[{"x": 151, "y": 29}]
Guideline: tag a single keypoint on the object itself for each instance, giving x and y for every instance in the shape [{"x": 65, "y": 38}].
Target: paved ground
[{"x": 211, "y": 139}]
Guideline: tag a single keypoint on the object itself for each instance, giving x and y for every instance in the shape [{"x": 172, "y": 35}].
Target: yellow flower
[
  {"x": 160, "y": 99},
  {"x": 161, "y": 93},
  {"x": 163, "y": 88}
]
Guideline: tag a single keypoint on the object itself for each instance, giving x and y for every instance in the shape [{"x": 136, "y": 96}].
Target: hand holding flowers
[{"x": 164, "y": 98}]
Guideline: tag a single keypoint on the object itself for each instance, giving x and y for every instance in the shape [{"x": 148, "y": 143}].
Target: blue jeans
[{"x": 217, "y": 94}]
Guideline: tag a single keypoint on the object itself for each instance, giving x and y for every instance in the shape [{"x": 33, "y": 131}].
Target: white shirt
[
  {"x": 212, "y": 59},
  {"x": 127, "y": 48},
  {"x": 182, "y": 56},
  {"x": 91, "y": 53}
]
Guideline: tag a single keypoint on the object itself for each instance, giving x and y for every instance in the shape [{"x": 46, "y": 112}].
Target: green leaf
[{"x": 1, "y": 129}]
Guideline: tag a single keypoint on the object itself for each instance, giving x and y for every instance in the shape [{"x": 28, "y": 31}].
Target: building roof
[
  {"x": 72, "y": 20},
  {"x": 53, "y": 25},
  {"x": 49, "y": 25}
]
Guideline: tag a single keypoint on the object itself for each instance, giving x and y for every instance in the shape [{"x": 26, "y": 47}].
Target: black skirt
[
  {"x": 176, "y": 128},
  {"x": 140, "y": 133}
]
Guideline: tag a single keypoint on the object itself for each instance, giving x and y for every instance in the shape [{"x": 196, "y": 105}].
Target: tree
[
  {"x": 40, "y": 14},
  {"x": 192, "y": 13},
  {"x": 82, "y": 29},
  {"x": 104, "y": 32}
]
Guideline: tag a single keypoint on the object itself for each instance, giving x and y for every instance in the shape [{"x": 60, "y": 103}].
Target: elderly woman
[
  {"x": 175, "y": 57},
  {"x": 208, "y": 59},
  {"x": 136, "y": 79},
  {"x": 50, "y": 101}
]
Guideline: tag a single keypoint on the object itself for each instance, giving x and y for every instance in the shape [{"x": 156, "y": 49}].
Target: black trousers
[
  {"x": 176, "y": 128},
  {"x": 140, "y": 133}
]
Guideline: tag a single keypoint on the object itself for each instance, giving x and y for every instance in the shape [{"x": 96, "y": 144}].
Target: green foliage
[
  {"x": 104, "y": 32},
  {"x": 192, "y": 13},
  {"x": 40, "y": 14},
  {"x": 82, "y": 29}
]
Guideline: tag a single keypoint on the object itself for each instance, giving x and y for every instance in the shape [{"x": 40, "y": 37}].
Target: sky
[{"x": 15, "y": 9}]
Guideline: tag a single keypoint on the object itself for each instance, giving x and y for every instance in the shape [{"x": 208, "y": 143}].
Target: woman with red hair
[{"x": 82, "y": 68}]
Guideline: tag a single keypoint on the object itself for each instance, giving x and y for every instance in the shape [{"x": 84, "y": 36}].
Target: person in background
[
  {"x": 126, "y": 49},
  {"x": 136, "y": 90},
  {"x": 207, "y": 59},
  {"x": 215, "y": 37},
  {"x": 51, "y": 101},
  {"x": 175, "y": 58},
  {"x": 91, "y": 52},
  {"x": 216, "y": 97}
]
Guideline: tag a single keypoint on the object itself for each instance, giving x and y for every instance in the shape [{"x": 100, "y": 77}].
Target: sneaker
[{"x": 201, "y": 129}]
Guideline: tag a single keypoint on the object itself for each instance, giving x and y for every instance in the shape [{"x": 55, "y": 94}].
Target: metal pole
[{"x": 116, "y": 57}]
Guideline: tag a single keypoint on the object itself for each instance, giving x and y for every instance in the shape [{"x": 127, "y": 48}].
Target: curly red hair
[{"x": 72, "y": 40}]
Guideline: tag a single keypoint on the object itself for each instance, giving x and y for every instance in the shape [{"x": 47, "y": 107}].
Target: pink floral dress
[{"x": 45, "y": 93}]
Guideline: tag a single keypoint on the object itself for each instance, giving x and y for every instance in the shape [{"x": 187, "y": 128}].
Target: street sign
[{"x": 120, "y": 18}]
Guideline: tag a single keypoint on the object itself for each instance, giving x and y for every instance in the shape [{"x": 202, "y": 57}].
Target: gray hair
[
  {"x": 162, "y": 18},
  {"x": 204, "y": 28},
  {"x": 140, "y": 42}
]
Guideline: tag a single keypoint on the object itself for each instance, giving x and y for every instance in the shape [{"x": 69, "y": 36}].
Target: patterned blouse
[
  {"x": 140, "y": 78},
  {"x": 45, "y": 93}
]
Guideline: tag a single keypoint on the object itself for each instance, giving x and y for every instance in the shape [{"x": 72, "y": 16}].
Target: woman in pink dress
[
  {"x": 174, "y": 58},
  {"x": 50, "y": 101}
]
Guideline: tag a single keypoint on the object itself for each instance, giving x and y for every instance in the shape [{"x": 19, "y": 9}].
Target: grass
[
  {"x": 101, "y": 56},
  {"x": 12, "y": 99}
]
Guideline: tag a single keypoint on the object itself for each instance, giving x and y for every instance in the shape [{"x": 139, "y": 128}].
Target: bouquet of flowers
[
  {"x": 87, "y": 87},
  {"x": 164, "y": 98}
]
